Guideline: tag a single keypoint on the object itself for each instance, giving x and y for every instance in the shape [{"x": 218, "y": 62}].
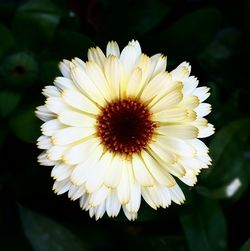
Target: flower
[{"x": 120, "y": 127}]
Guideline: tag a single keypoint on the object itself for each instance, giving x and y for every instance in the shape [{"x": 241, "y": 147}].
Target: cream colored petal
[
  {"x": 171, "y": 99},
  {"x": 189, "y": 85},
  {"x": 96, "y": 55},
  {"x": 44, "y": 114},
  {"x": 43, "y": 160},
  {"x": 158, "y": 84},
  {"x": 56, "y": 152},
  {"x": 76, "y": 119},
  {"x": 56, "y": 104},
  {"x": 129, "y": 215},
  {"x": 86, "y": 86},
  {"x": 147, "y": 196},
  {"x": 71, "y": 134},
  {"x": 80, "y": 102},
  {"x": 78, "y": 62},
  {"x": 114, "y": 75},
  {"x": 142, "y": 175},
  {"x": 179, "y": 131},
  {"x": 135, "y": 197},
  {"x": 123, "y": 189},
  {"x": 96, "y": 75},
  {"x": 171, "y": 115},
  {"x": 75, "y": 192},
  {"x": 202, "y": 93},
  {"x": 177, "y": 146},
  {"x": 134, "y": 83},
  {"x": 112, "y": 49},
  {"x": 156, "y": 170},
  {"x": 113, "y": 205},
  {"x": 99, "y": 196},
  {"x": 61, "y": 187},
  {"x": 80, "y": 152},
  {"x": 44, "y": 142},
  {"x": 61, "y": 171},
  {"x": 130, "y": 55},
  {"x": 64, "y": 68},
  {"x": 113, "y": 172},
  {"x": 206, "y": 131},
  {"x": 100, "y": 210},
  {"x": 199, "y": 147},
  {"x": 203, "y": 109},
  {"x": 176, "y": 194},
  {"x": 158, "y": 63},
  {"x": 182, "y": 72},
  {"x": 51, "y": 91},
  {"x": 98, "y": 171},
  {"x": 189, "y": 102},
  {"x": 50, "y": 127},
  {"x": 64, "y": 83}
]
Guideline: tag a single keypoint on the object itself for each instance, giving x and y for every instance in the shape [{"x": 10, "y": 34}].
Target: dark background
[{"x": 212, "y": 35}]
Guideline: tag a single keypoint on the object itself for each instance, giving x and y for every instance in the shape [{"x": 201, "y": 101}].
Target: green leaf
[
  {"x": 133, "y": 22},
  {"x": 69, "y": 44},
  {"x": 191, "y": 33},
  {"x": 45, "y": 234},
  {"x": 25, "y": 125},
  {"x": 246, "y": 246},
  {"x": 35, "y": 23},
  {"x": 7, "y": 41},
  {"x": 8, "y": 102},
  {"x": 227, "y": 152},
  {"x": 204, "y": 225}
]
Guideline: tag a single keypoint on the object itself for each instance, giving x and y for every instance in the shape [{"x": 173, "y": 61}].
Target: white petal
[
  {"x": 182, "y": 72},
  {"x": 61, "y": 187},
  {"x": 161, "y": 175},
  {"x": 113, "y": 205},
  {"x": 44, "y": 142},
  {"x": 203, "y": 109},
  {"x": 56, "y": 104},
  {"x": 135, "y": 198},
  {"x": 75, "y": 192},
  {"x": 130, "y": 216},
  {"x": 113, "y": 49},
  {"x": 171, "y": 99},
  {"x": 142, "y": 175},
  {"x": 129, "y": 56},
  {"x": 64, "y": 68},
  {"x": 100, "y": 210},
  {"x": 43, "y": 113},
  {"x": 64, "y": 83},
  {"x": 51, "y": 91},
  {"x": 80, "y": 102},
  {"x": 206, "y": 131},
  {"x": 76, "y": 119},
  {"x": 123, "y": 189},
  {"x": 171, "y": 115},
  {"x": 71, "y": 134},
  {"x": 189, "y": 85},
  {"x": 50, "y": 127},
  {"x": 178, "y": 131},
  {"x": 61, "y": 171},
  {"x": 86, "y": 86},
  {"x": 113, "y": 172},
  {"x": 134, "y": 83},
  {"x": 151, "y": 200},
  {"x": 200, "y": 147},
  {"x": 96, "y": 55},
  {"x": 202, "y": 93},
  {"x": 99, "y": 196},
  {"x": 176, "y": 194},
  {"x": 159, "y": 63},
  {"x": 43, "y": 160},
  {"x": 80, "y": 152},
  {"x": 113, "y": 73},
  {"x": 96, "y": 75},
  {"x": 56, "y": 152}
]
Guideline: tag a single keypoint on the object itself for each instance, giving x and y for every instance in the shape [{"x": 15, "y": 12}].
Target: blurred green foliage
[{"x": 213, "y": 35}]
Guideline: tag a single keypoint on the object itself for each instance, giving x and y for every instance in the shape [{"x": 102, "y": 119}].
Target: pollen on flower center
[{"x": 125, "y": 126}]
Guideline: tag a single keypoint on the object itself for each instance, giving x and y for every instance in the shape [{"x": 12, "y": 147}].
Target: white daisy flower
[{"x": 120, "y": 127}]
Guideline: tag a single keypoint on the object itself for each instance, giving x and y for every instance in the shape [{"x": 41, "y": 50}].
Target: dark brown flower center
[{"x": 125, "y": 126}]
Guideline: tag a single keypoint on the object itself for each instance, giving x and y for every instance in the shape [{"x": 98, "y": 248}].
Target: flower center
[{"x": 125, "y": 126}]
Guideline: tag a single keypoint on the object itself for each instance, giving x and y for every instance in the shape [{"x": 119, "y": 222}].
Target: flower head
[{"x": 120, "y": 127}]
